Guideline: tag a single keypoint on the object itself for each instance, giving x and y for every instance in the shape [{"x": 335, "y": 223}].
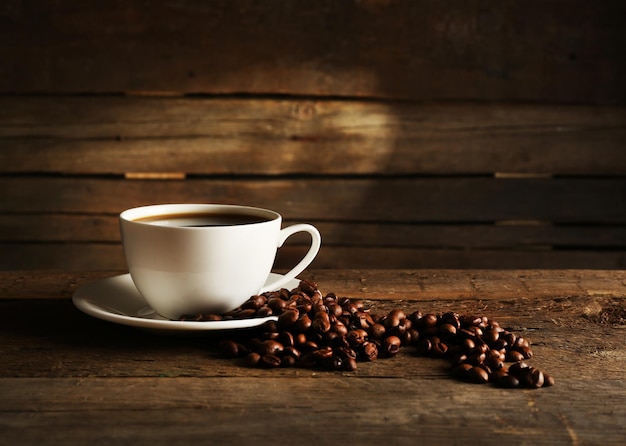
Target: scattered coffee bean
[
  {"x": 334, "y": 333},
  {"x": 287, "y": 361},
  {"x": 507, "y": 381},
  {"x": 270, "y": 360},
  {"x": 370, "y": 351},
  {"x": 548, "y": 380},
  {"x": 514, "y": 356},
  {"x": 391, "y": 345},
  {"x": 229, "y": 348},
  {"x": 252, "y": 359},
  {"x": 478, "y": 375}
]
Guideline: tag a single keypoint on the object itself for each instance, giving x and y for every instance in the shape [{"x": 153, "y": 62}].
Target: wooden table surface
[{"x": 68, "y": 378}]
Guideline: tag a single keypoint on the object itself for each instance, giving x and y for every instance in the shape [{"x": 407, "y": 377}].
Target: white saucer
[{"x": 116, "y": 300}]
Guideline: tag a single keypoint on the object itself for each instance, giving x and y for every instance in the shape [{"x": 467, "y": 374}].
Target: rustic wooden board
[
  {"x": 569, "y": 51},
  {"x": 439, "y": 199},
  {"x": 96, "y": 228},
  {"x": 64, "y": 372},
  {"x": 557, "y": 330},
  {"x": 506, "y": 222},
  {"x": 95, "y": 256},
  {"x": 371, "y": 411},
  {"x": 387, "y": 102},
  {"x": 116, "y": 135},
  {"x": 422, "y": 285}
]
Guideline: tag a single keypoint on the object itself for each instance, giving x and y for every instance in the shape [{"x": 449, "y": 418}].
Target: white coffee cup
[{"x": 205, "y": 258}]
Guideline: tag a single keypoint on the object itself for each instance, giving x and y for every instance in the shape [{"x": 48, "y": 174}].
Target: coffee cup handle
[{"x": 316, "y": 241}]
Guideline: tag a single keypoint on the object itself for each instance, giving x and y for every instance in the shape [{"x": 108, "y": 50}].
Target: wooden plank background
[
  {"x": 412, "y": 133},
  {"x": 558, "y": 50}
]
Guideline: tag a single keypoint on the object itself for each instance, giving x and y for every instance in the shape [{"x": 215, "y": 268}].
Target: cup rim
[{"x": 132, "y": 214}]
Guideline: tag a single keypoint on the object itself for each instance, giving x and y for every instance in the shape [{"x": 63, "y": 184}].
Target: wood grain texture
[
  {"x": 99, "y": 228},
  {"x": 188, "y": 409},
  {"x": 69, "y": 378},
  {"x": 383, "y": 284},
  {"x": 439, "y": 199},
  {"x": 488, "y": 134},
  {"x": 103, "y": 256},
  {"x": 557, "y": 51},
  {"x": 212, "y": 136},
  {"x": 505, "y": 223}
]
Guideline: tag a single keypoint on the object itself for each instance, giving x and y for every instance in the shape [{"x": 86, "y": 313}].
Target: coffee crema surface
[{"x": 201, "y": 220}]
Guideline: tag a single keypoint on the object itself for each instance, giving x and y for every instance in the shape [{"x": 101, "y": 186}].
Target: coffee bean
[
  {"x": 302, "y": 324},
  {"x": 305, "y": 307},
  {"x": 428, "y": 320},
  {"x": 536, "y": 378},
  {"x": 308, "y": 287},
  {"x": 277, "y": 304},
  {"x": 326, "y": 332},
  {"x": 459, "y": 358},
  {"x": 270, "y": 361},
  {"x": 349, "y": 364},
  {"x": 407, "y": 337},
  {"x": 271, "y": 335},
  {"x": 356, "y": 337},
  {"x": 291, "y": 351},
  {"x": 229, "y": 348},
  {"x": 514, "y": 356},
  {"x": 525, "y": 351},
  {"x": 394, "y": 318},
  {"x": 254, "y": 302},
  {"x": 415, "y": 316},
  {"x": 439, "y": 349},
  {"x": 461, "y": 371},
  {"x": 271, "y": 347},
  {"x": 307, "y": 361},
  {"x": 508, "y": 381},
  {"x": 336, "y": 363},
  {"x": 323, "y": 353},
  {"x": 332, "y": 338},
  {"x": 351, "y": 308},
  {"x": 391, "y": 345},
  {"x": 370, "y": 351},
  {"x": 494, "y": 362},
  {"x": 264, "y": 312},
  {"x": 339, "y": 328},
  {"x": 548, "y": 380},
  {"x": 491, "y": 336},
  {"x": 499, "y": 344},
  {"x": 497, "y": 375},
  {"x": 468, "y": 344},
  {"x": 447, "y": 330},
  {"x": 521, "y": 342},
  {"x": 286, "y": 338},
  {"x": 518, "y": 369},
  {"x": 362, "y": 320},
  {"x": 287, "y": 319},
  {"x": 270, "y": 326},
  {"x": 252, "y": 359},
  {"x": 334, "y": 309},
  {"x": 508, "y": 337},
  {"x": 377, "y": 331},
  {"x": 478, "y": 375},
  {"x": 476, "y": 358},
  {"x": 321, "y": 322},
  {"x": 287, "y": 361}
]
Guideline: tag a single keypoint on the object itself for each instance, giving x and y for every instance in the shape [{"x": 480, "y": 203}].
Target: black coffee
[{"x": 199, "y": 220}]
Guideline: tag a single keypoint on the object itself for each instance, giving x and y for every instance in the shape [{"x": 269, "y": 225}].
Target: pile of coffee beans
[{"x": 334, "y": 333}]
